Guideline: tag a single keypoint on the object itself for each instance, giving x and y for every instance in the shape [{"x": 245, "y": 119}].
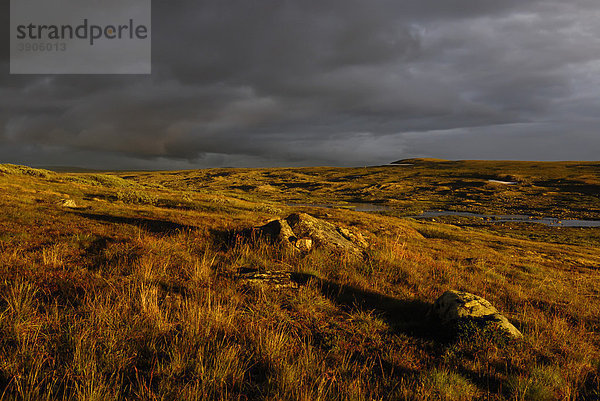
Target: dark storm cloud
[{"x": 275, "y": 82}]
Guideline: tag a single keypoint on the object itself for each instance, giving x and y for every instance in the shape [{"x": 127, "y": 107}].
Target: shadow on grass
[
  {"x": 410, "y": 317},
  {"x": 226, "y": 240},
  {"x": 150, "y": 225},
  {"x": 572, "y": 186}
]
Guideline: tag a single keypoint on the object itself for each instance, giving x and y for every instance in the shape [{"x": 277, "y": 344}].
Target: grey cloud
[
  {"x": 536, "y": 141},
  {"x": 276, "y": 82}
]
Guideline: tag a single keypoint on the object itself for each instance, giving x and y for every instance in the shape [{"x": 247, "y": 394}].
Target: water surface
[
  {"x": 513, "y": 218},
  {"x": 492, "y": 218}
]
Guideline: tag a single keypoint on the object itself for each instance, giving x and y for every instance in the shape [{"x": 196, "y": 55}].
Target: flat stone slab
[{"x": 266, "y": 278}]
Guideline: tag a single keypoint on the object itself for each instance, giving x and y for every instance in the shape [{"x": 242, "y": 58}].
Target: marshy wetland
[{"x": 126, "y": 285}]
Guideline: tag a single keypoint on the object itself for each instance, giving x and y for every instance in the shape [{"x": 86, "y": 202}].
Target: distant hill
[
  {"x": 418, "y": 160},
  {"x": 73, "y": 169},
  {"x": 70, "y": 169}
]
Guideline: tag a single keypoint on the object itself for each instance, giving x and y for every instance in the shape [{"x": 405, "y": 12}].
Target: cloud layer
[{"x": 350, "y": 82}]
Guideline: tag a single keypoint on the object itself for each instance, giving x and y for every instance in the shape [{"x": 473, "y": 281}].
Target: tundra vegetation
[{"x": 125, "y": 285}]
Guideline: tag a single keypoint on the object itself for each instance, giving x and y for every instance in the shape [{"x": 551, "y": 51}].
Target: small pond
[
  {"x": 512, "y": 218},
  {"x": 505, "y": 218}
]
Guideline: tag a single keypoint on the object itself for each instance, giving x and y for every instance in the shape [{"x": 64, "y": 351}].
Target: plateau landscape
[
  {"x": 300, "y": 200},
  {"x": 301, "y": 283}
]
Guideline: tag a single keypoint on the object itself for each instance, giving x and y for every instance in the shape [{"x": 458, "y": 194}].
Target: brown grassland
[{"x": 132, "y": 295}]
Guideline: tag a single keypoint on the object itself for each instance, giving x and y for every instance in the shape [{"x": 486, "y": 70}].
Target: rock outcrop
[
  {"x": 300, "y": 232},
  {"x": 266, "y": 278},
  {"x": 69, "y": 203},
  {"x": 278, "y": 231},
  {"x": 456, "y": 306}
]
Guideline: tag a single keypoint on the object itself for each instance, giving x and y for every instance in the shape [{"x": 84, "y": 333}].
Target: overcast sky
[{"x": 322, "y": 82}]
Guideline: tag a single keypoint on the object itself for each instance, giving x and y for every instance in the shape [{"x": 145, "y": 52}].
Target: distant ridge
[
  {"x": 417, "y": 160},
  {"x": 73, "y": 169},
  {"x": 70, "y": 169}
]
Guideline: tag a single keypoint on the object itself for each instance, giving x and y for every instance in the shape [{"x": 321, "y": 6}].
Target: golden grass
[{"x": 135, "y": 297}]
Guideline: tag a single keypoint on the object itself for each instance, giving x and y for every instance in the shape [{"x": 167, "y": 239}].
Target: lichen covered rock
[
  {"x": 455, "y": 306},
  {"x": 266, "y": 278},
  {"x": 302, "y": 233}
]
